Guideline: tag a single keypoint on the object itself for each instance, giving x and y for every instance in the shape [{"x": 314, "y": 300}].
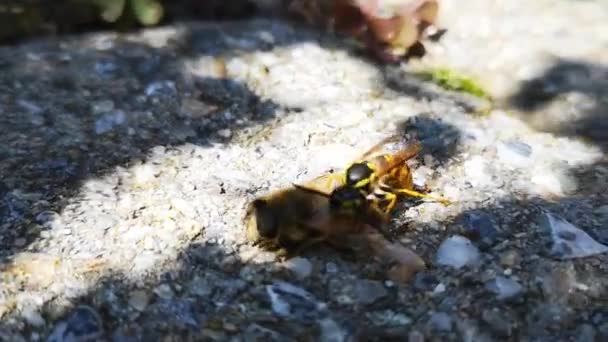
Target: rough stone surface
[{"x": 125, "y": 170}]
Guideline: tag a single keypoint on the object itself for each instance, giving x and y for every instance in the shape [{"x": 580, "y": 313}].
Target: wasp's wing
[
  {"x": 396, "y": 145},
  {"x": 405, "y": 151},
  {"x": 381, "y": 147}
]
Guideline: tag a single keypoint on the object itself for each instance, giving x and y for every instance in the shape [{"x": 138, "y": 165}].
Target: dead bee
[
  {"x": 382, "y": 173},
  {"x": 292, "y": 219}
]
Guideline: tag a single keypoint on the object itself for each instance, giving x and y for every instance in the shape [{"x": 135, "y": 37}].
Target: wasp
[
  {"x": 383, "y": 174},
  {"x": 329, "y": 206}
]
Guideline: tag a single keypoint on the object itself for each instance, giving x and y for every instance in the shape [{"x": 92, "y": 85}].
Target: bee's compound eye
[
  {"x": 266, "y": 221},
  {"x": 347, "y": 198},
  {"x": 358, "y": 172}
]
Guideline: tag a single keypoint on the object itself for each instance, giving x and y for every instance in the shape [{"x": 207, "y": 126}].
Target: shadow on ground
[
  {"x": 70, "y": 113},
  {"x": 78, "y": 108},
  {"x": 569, "y": 99},
  {"x": 211, "y": 293},
  {"x": 64, "y": 145}
]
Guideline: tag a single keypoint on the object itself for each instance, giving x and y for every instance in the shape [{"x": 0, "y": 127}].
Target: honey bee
[
  {"x": 292, "y": 219},
  {"x": 382, "y": 173}
]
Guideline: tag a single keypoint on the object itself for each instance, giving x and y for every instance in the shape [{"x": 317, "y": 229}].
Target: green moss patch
[{"x": 455, "y": 81}]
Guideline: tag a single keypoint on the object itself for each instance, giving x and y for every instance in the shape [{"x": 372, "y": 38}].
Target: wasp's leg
[
  {"x": 392, "y": 201},
  {"x": 413, "y": 193}
]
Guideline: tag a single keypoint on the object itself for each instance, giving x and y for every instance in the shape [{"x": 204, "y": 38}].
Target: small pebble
[
  {"x": 102, "y": 107},
  {"x": 288, "y": 300},
  {"x": 440, "y": 321},
  {"x": 415, "y": 336},
  {"x": 514, "y": 153},
  {"x": 331, "y": 331},
  {"x": 552, "y": 182},
  {"x": 369, "y": 291},
  {"x": 301, "y": 267},
  {"x": 440, "y": 288},
  {"x": 497, "y": 322},
  {"x": 83, "y": 324},
  {"x": 586, "y": 333},
  {"x": 330, "y": 267},
  {"x": 224, "y": 133},
  {"x": 164, "y": 291},
  {"x": 33, "y": 317},
  {"x": 109, "y": 121},
  {"x": 20, "y": 242},
  {"x": 255, "y": 332},
  {"x": 510, "y": 258},
  {"x": 504, "y": 288},
  {"x": 389, "y": 318},
  {"x": 476, "y": 171},
  {"x": 139, "y": 300},
  {"x": 569, "y": 241},
  {"x": 161, "y": 88},
  {"x": 601, "y": 210},
  {"x": 106, "y": 67},
  {"x": 143, "y": 174},
  {"x": 481, "y": 227},
  {"x": 457, "y": 251}
]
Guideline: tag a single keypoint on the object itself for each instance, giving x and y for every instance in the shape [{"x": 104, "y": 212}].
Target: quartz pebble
[
  {"x": 569, "y": 241},
  {"x": 504, "y": 288},
  {"x": 301, "y": 267},
  {"x": 457, "y": 251}
]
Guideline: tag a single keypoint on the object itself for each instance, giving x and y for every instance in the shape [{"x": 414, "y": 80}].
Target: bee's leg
[
  {"x": 413, "y": 193},
  {"x": 268, "y": 245},
  {"x": 340, "y": 245},
  {"x": 307, "y": 244},
  {"x": 296, "y": 249},
  {"x": 283, "y": 254}
]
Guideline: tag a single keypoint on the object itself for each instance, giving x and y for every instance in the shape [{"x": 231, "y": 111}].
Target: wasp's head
[{"x": 359, "y": 175}]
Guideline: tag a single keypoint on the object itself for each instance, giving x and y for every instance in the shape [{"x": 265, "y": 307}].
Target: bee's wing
[
  {"x": 311, "y": 190},
  {"x": 325, "y": 183}
]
